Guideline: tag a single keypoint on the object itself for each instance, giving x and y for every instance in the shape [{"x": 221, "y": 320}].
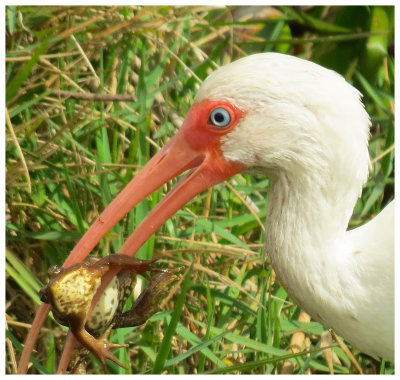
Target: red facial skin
[
  {"x": 200, "y": 133},
  {"x": 197, "y": 146}
]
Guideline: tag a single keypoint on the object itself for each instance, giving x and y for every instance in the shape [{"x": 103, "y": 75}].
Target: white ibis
[{"x": 305, "y": 127}]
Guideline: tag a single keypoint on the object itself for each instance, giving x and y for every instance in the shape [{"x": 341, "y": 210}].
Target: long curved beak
[{"x": 207, "y": 168}]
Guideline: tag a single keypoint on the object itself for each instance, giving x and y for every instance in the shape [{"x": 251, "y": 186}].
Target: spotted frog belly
[{"x": 70, "y": 292}]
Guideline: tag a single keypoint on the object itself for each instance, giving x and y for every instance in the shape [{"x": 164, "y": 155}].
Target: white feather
[{"x": 306, "y": 128}]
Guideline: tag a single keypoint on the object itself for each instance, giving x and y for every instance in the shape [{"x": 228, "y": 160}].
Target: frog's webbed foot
[
  {"x": 147, "y": 303},
  {"x": 100, "y": 347}
]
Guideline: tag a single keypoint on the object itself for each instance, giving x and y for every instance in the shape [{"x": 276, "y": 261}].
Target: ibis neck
[{"x": 305, "y": 233}]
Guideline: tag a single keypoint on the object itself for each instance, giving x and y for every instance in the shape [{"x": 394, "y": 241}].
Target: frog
[{"x": 70, "y": 292}]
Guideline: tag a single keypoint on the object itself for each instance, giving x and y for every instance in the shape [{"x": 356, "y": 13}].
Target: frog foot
[
  {"x": 103, "y": 348},
  {"x": 102, "y": 351},
  {"x": 100, "y": 347}
]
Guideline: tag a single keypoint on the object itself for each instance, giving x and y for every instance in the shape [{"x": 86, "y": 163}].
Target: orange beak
[{"x": 197, "y": 146}]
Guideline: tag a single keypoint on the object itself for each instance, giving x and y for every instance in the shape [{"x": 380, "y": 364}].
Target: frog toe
[{"x": 102, "y": 352}]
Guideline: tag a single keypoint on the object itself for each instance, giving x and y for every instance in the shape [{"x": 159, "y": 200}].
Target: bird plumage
[{"x": 305, "y": 127}]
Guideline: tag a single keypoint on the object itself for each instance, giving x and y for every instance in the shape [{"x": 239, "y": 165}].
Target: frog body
[
  {"x": 70, "y": 292},
  {"x": 111, "y": 303}
]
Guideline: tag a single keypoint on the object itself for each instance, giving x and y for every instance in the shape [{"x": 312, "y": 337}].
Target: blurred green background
[{"x": 68, "y": 155}]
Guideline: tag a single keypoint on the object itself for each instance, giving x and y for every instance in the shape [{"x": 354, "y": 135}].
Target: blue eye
[{"x": 220, "y": 117}]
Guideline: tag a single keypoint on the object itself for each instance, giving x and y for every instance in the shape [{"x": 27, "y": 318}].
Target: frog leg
[
  {"x": 100, "y": 347},
  {"x": 79, "y": 358},
  {"x": 147, "y": 303},
  {"x": 79, "y": 361},
  {"x": 131, "y": 263}
]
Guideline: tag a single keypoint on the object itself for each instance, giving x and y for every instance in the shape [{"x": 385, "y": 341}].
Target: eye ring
[{"x": 220, "y": 117}]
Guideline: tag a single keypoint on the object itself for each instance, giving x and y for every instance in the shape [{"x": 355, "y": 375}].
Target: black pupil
[{"x": 219, "y": 117}]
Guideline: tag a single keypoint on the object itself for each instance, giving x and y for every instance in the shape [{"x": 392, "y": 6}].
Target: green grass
[{"x": 67, "y": 158}]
